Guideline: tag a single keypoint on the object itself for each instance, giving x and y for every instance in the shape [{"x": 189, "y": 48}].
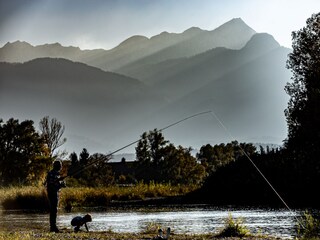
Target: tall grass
[
  {"x": 308, "y": 227},
  {"x": 35, "y": 197},
  {"x": 233, "y": 228},
  {"x": 26, "y": 198}
]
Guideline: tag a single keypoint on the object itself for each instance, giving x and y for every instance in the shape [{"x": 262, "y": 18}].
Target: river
[{"x": 191, "y": 219}]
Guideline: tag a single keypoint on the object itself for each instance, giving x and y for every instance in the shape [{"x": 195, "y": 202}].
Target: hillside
[
  {"x": 236, "y": 73},
  {"x": 93, "y": 105},
  {"x": 245, "y": 88},
  {"x": 233, "y": 34}
]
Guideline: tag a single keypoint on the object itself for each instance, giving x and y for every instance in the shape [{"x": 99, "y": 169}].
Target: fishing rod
[
  {"x": 108, "y": 156},
  {"x": 256, "y": 167}
]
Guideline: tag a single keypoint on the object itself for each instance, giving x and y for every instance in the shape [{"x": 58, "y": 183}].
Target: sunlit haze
[
  {"x": 106, "y": 99},
  {"x": 104, "y": 24}
]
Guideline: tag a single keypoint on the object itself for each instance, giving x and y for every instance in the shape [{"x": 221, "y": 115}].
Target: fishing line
[
  {"x": 108, "y": 156},
  {"x": 256, "y": 167}
]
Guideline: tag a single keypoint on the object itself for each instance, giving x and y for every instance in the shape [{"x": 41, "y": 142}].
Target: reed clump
[
  {"x": 233, "y": 228},
  {"x": 25, "y": 198},
  {"x": 34, "y": 198},
  {"x": 308, "y": 227}
]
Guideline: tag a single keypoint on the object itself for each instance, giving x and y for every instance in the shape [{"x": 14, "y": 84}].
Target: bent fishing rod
[
  {"x": 256, "y": 167},
  {"x": 108, "y": 156}
]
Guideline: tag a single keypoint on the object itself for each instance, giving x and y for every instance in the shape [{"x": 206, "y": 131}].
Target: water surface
[{"x": 195, "y": 219}]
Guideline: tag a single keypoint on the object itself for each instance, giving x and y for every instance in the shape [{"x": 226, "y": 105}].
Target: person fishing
[{"x": 54, "y": 182}]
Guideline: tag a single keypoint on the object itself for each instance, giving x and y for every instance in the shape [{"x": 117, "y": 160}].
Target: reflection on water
[{"x": 193, "y": 219}]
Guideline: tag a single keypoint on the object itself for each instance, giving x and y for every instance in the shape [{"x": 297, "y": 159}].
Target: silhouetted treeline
[{"x": 240, "y": 183}]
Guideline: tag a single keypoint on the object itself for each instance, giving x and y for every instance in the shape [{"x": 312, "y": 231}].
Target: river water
[{"x": 192, "y": 219}]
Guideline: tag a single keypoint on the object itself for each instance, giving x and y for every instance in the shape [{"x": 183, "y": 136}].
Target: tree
[
  {"x": 143, "y": 150},
  {"x": 84, "y": 157},
  {"x": 157, "y": 143},
  {"x": 150, "y": 146},
  {"x": 100, "y": 173},
  {"x": 90, "y": 171},
  {"x": 52, "y": 132},
  {"x": 149, "y": 153},
  {"x": 74, "y": 159},
  {"x": 180, "y": 167},
  {"x": 74, "y": 165},
  {"x": 160, "y": 161},
  {"x": 213, "y": 157},
  {"x": 23, "y": 156},
  {"x": 303, "y": 112}
]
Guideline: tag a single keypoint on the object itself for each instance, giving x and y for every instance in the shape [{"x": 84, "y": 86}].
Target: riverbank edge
[{"x": 67, "y": 234}]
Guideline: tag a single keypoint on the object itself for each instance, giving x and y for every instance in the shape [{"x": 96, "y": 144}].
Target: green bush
[
  {"x": 308, "y": 227},
  {"x": 233, "y": 228}
]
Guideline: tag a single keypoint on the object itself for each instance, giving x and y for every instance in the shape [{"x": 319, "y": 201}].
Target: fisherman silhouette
[{"x": 54, "y": 183}]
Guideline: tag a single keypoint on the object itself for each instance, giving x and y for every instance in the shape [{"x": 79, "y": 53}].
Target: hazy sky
[{"x": 105, "y": 23}]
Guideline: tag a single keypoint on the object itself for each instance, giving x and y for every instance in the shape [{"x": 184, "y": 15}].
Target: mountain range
[{"x": 108, "y": 98}]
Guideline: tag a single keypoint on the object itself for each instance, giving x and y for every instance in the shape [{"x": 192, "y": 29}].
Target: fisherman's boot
[
  {"x": 54, "y": 229},
  {"x": 53, "y": 226}
]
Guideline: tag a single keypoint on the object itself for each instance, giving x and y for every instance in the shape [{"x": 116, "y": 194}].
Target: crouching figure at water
[{"x": 78, "y": 221}]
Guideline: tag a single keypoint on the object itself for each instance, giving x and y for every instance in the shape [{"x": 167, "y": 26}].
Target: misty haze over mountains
[{"x": 108, "y": 98}]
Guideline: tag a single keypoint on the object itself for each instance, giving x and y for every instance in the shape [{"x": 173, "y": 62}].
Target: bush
[
  {"x": 233, "y": 228},
  {"x": 308, "y": 227}
]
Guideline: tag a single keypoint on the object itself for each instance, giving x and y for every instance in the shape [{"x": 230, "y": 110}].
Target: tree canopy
[
  {"x": 51, "y": 133},
  {"x": 23, "y": 155},
  {"x": 160, "y": 161},
  {"x": 303, "y": 112}
]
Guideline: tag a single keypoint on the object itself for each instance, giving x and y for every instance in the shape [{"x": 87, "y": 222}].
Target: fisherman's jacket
[{"x": 53, "y": 181}]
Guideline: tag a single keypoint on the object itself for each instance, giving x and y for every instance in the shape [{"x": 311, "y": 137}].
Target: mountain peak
[
  {"x": 262, "y": 39},
  {"x": 237, "y": 20},
  {"x": 20, "y": 44},
  {"x": 162, "y": 35},
  {"x": 193, "y": 30},
  {"x": 53, "y": 44},
  {"x": 136, "y": 39},
  {"x": 235, "y": 24}
]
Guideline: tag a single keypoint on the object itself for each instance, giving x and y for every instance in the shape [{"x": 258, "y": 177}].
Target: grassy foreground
[{"x": 28, "y": 235}]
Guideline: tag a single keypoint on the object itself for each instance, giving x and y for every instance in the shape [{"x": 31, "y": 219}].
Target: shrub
[
  {"x": 233, "y": 228},
  {"x": 152, "y": 227},
  {"x": 308, "y": 227}
]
